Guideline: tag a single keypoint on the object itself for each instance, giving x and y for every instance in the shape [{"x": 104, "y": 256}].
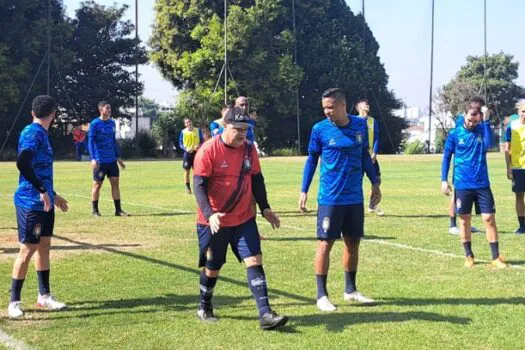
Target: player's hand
[
  {"x": 61, "y": 203},
  {"x": 374, "y": 157},
  {"x": 486, "y": 113},
  {"x": 302, "y": 202},
  {"x": 445, "y": 188},
  {"x": 121, "y": 163},
  {"x": 215, "y": 222},
  {"x": 272, "y": 218},
  {"x": 375, "y": 197},
  {"x": 509, "y": 174},
  {"x": 44, "y": 197},
  {"x": 94, "y": 164}
]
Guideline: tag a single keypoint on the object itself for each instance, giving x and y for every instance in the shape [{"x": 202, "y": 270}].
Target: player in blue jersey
[
  {"x": 35, "y": 200},
  {"x": 363, "y": 109},
  {"x": 105, "y": 154},
  {"x": 242, "y": 102},
  {"x": 469, "y": 143},
  {"x": 217, "y": 126},
  {"x": 341, "y": 141}
]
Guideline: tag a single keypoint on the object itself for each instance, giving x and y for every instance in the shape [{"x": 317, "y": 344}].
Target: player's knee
[
  {"x": 45, "y": 244},
  {"x": 97, "y": 185},
  {"x": 26, "y": 253},
  {"x": 253, "y": 260},
  {"x": 324, "y": 247},
  {"x": 489, "y": 219},
  {"x": 464, "y": 218},
  {"x": 211, "y": 273}
]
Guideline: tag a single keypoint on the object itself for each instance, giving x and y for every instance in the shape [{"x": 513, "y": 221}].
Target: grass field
[{"x": 133, "y": 282}]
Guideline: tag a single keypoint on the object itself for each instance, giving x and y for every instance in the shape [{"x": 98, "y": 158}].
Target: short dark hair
[
  {"x": 334, "y": 93},
  {"x": 361, "y": 101},
  {"x": 102, "y": 104},
  {"x": 43, "y": 106},
  {"x": 475, "y": 99}
]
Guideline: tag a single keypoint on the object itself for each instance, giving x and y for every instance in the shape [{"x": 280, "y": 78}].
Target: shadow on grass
[
  {"x": 422, "y": 216},
  {"x": 516, "y": 262},
  {"x": 163, "y": 214},
  {"x": 294, "y": 239},
  {"x": 76, "y": 247},
  {"x": 297, "y": 213},
  {"x": 453, "y": 301},
  {"x": 180, "y": 267},
  {"x": 338, "y": 321}
]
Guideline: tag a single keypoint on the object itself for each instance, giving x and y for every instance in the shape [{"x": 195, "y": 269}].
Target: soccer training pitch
[{"x": 132, "y": 282}]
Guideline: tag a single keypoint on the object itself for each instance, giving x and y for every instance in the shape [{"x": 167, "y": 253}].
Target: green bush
[
  {"x": 8, "y": 154},
  {"x": 416, "y": 147},
  {"x": 284, "y": 152},
  {"x": 128, "y": 149},
  {"x": 147, "y": 145}
]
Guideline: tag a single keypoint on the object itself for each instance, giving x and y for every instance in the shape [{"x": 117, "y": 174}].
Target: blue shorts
[
  {"x": 377, "y": 168},
  {"x": 187, "y": 160},
  {"x": 518, "y": 180},
  {"x": 336, "y": 220},
  {"x": 243, "y": 239},
  {"x": 33, "y": 224},
  {"x": 466, "y": 198},
  {"x": 109, "y": 169}
]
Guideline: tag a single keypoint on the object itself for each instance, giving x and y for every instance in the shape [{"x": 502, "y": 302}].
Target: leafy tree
[
  {"x": 149, "y": 107},
  {"x": 187, "y": 47}
]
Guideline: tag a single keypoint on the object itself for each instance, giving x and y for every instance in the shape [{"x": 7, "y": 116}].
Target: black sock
[
  {"x": 188, "y": 186},
  {"x": 43, "y": 282},
  {"x": 118, "y": 209},
  {"x": 521, "y": 220},
  {"x": 468, "y": 249},
  {"x": 350, "y": 285},
  {"x": 321, "y": 286},
  {"x": 257, "y": 285},
  {"x": 453, "y": 221},
  {"x": 16, "y": 289},
  {"x": 206, "y": 286},
  {"x": 494, "y": 249},
  {"x": 95, "y": 206}
]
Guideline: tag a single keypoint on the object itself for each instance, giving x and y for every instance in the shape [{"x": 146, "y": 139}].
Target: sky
[{"x": 402, "y": 29}]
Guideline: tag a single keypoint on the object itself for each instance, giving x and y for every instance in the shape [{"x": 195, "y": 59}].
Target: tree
[
  {"x": 499, "y": 82},
  {"x": 149, "y": 107},
  {"x": 187, "y": 47},
  {"x": 103, "y": 48}
]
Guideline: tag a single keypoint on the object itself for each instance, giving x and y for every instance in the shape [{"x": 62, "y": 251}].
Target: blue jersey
[
  {"x": 250, "y": 134},
  {"x": 34, "y": 138},
  {"x": 103, "y": 146},
  {"x": 469, "y": 148},
  {"x": 344, "y": 157},
  {"x": 216, "y": 127}
]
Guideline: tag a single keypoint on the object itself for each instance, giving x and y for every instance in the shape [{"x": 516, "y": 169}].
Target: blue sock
[
  {"x": 521, "y": 220},
  {"x": 453, "y": 221},
  {"x": 257, "y": 285},
  {"x": 494, "y": 248},
  {"x": 206, "y": 287},
  {"x": 321, "y": 286},
  {"x": 350, "y": 286},
  {"x": 16, "y": 289},
  {"x": 43, "y": 282},
  {"x": 468, "y": 249}
]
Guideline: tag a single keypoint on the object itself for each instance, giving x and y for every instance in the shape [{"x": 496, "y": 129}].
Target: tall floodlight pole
[
  {"x": 225, "y": 52},
  {"x": 431, "y": 79},
  {"x": 48, "y": 46},
  {"x": 297, "y": 111},
  {"x": 136, "y": 68}
]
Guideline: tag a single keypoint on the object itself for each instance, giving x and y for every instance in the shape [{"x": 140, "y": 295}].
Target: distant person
[
  {"x": 190, "y": 139},
  {"x": 105, "y": 158},
  {"x": 35, "y": 200},
  {"x": 515, "y": 160},
  {"x": 469, "y": 143},
  {"x": 363, "y": 109},
  {"x": 217, "y": 126},
  {"x": 79, "y": 138}
]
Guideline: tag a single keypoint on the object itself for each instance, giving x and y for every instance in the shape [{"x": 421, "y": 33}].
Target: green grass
[{"x": 133, "y": 282}]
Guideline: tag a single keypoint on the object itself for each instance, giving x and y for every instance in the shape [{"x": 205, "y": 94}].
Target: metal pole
[
  {"x": 297, "y": 111},
  {"x": 136, "y": 68},
  {"x": 485, "y": 48},
  {"x": 225, "y": 52},
  {"x": 48, "y": 46},
  {"x": 431, "y": 80}
]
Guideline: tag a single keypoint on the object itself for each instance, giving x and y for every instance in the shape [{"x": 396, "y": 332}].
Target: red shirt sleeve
[
  {"x": 256, "y": 165},
  {"x": 203, "y": 164}
]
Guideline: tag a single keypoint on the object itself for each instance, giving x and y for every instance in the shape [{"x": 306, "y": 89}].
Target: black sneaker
[
  {"x": 121, "y": 213},
  {"x": 206, "y": 315},
  {"x": 96, "y": 213},
  {"x": 271, "y": 320}
]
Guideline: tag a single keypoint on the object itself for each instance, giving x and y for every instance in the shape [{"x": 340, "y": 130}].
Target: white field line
[
  {"x": 12, "y": 343},
  {"x": 375, "y": 241}
]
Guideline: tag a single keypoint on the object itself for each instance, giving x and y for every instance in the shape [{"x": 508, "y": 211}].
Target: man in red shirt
[
  {"x": 226, "y": 174},
  {"x": 79, "y": 138}
]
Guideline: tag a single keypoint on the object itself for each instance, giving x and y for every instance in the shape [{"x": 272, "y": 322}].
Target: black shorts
[
  {"x": 518, "y": 180},
  {"x": 109, "y": 169},
  {"x": 336, "y": 220},
  {"x": 243, "y": 239},
  {"x": 187, "y": 160},
  {"x": 466, "y": 198},
  {"x": 33, "y": 224}
]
